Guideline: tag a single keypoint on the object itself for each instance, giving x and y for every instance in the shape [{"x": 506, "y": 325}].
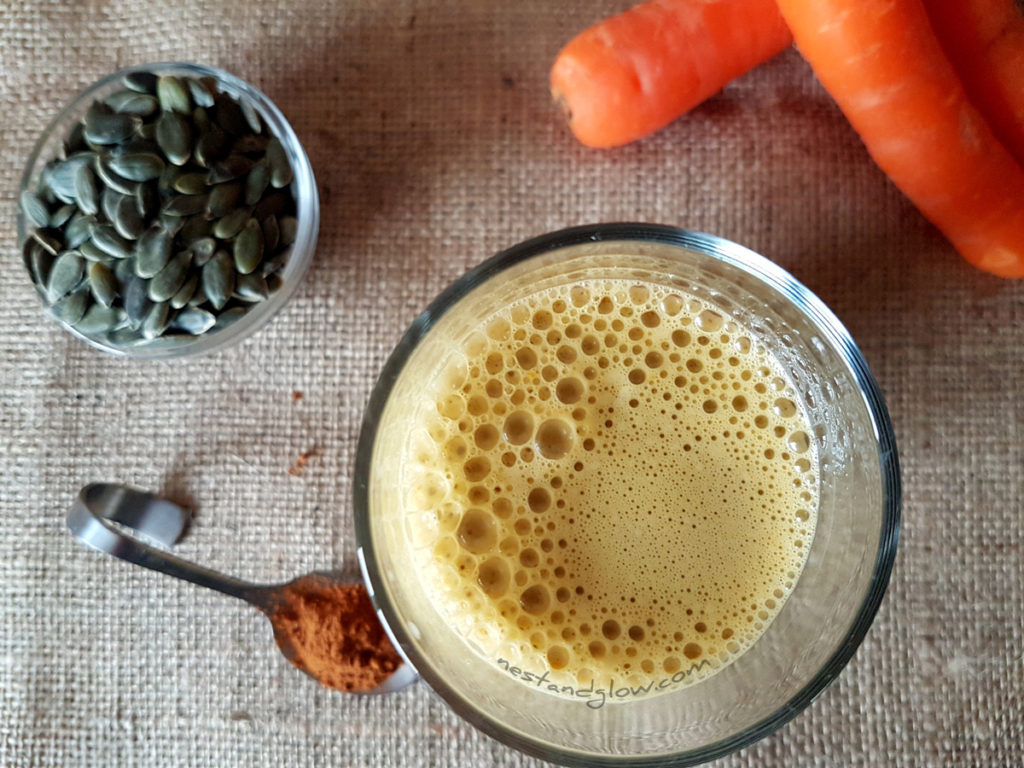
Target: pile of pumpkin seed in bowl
[{"x": 169, "y": 214}]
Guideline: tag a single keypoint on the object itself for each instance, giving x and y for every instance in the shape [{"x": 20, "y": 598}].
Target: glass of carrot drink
[{"x": 627, "y": 495}]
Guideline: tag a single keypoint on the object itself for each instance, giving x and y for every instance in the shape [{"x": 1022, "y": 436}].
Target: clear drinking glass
[{"x": 835, "y": 598}]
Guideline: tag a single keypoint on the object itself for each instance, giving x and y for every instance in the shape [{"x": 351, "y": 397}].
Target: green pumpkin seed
[
  {"x": 202, "y": 96},
  {"x": 112, "y": 179},
  {"x": 135, "y": 291},
  {"x": 172, "y": 94},
  {"x": 49, "y": 239},
  {"x": 251, "y": 287},
  {"x": 231, "y": 167},
  {"x": 218, "y": 279},
  {"x": 252, "y": 117},
  {"x": 250, "y": 145},
  {"x": 184, "y": 205},
  {"x": 228, "y": 115},
  {"x": 106, "y": 127},
  {"x": 203, "y": 248},
  {"x": 169, "y": 280},
  {"x": 109, "y": 200},
  {"x": 62, "y": 215},
  {"x": 280, "y": 169},
  {"x": 222, "y": 198},
  {"x": 102, "y": 283},
  {"x": 211, "y": 146},
  {"x": 90, "y": 252},
  {"x": 174, "y": 136},
  {"x": 60, "y": 179},
  {"x": 65, "y": 275},
  {"x": 201, "y": 120},
  {"x": 153, "y": 251},
  {"x": 79, "y": 229},
  {"x": 127, "y": 221},
  {"x": 99, "y": 319},
  {"x": 271, "y": 233},
  {"x": 180, "y": 299},
  {"x": 199, "y": 297},
  {"x": 172, "y": 224},
  {"x": 147, "y": 201},
  {"x": 289, "y": 227},
  {"x": 190, "y": 183},
  {"x": 231, "y": 224},
  {"x": 72, "y": 308},
  {"x": 124, "y": 271},
  {"x": 87, "y": 192},
  {"x": 137, "y": 166},
  {"x": 131, "y": 102},
  {"x": 141, "y": 82},
  {"x": 249, "y": 247},
  {"x": 195, "y": 227},
  {"x": 75, "y": 140},
  {"x": 256, "y": 184},
  {"x": 34, "y": 209},
  {"x": 107, "y": 239},
  {"x": 274, "y": 204},
  {"x": 229, "y": 316},
  {"x": 147, "y": 131},
  {"x": 194, "y": 321},
  {"x": 38, "y": 260},
  {"x": 156, "y": 321}
]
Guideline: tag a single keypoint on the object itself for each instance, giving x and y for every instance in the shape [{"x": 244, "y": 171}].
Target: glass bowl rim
[
  {"x": 754, "y": 265},
  {"x": 306, "y": 193}
]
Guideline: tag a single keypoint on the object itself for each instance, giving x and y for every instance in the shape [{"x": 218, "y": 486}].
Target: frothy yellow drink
[{"x": 610, "y": 480}]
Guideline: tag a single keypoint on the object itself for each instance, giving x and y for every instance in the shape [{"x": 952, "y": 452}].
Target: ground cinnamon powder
[{"x": 336, "y": 634}]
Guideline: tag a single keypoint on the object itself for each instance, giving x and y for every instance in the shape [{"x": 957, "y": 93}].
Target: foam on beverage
[{"x": 610, "y": 480}]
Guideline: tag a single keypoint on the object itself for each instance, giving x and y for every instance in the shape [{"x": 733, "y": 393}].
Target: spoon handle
[{"x": 116, "y": 519}]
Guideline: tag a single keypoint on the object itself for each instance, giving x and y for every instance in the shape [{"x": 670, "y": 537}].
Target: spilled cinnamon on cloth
[{"x": 336, "y": 634}]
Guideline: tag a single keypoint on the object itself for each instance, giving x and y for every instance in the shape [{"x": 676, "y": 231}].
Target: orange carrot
[
  {"x": 636, "y": 72},
  {"x": 881, "y": 62},
  {"x": 985, "y": 41}
]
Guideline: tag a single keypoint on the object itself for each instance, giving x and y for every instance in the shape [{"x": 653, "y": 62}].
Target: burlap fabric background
[{"x": 435, "y": 144}]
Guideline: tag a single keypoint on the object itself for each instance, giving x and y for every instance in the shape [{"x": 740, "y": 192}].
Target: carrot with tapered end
[
  {"x": 636, "y": 72},
  {"x": 882, "y": 63},
  {"x": 984, "y": 40}
]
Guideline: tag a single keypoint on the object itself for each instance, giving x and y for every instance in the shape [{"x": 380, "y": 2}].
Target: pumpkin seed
[
  {"x": 62, "y": 215},
  {"x": 137, "y": 166},
  {"x": 103, "y": 126},
  {"x": 272, "y": 204},
  {"x": 222, "y": 198},
  {"x": 169, "y": 280},
  {"x": 203, "y": 248},
  {"x": 38, "y": 260},
  {"x": 195, "y": 321},
  {"x": 252, "y": 117},
  {"x": 75, "y": 140},
  {"x": 65, "y": 275},
  {"x": 274, "y": 264},
  {"x": 271, "y": 233},
  {"x": 102, "y": 283},
  {"x": 34, "y": 209},
  {"x": 108, "y": 240},
  {"x": 289, "y": 227},
  {"x": 61, "y": 177},
  {"x": 174, "y": 136},
  {"x": 180, "y": 299},
  {"x": 256, "y": 184},
  {"x": 109, "y": 200},
  {"x": 49, "y": 240},
  {"x": 131, "y": 102},
  {"x": 211, "y": 146},
  {"x": 184, "y": 205},
  {"x": 219, "y": 279},
  {"x": 202, "y": 95},
  {"x": 153, "y": 251},
  {"x": 251, "y": 287},
  {"x": 156, "y": 321},
  {"x": 113, "y": 179},
  {"x": 231, "y": 167},
  {"x": 172, "y": 94},
  {"x": 127, "y": 221},
  {"x": 141, "y": 82},
  {"x": 194, "y": 227},
  {"x": 124, "y": 271},
  {"x": 99, "y": 319},
  {"x": 249, "y": 247},
  {"x": 231, "y": 224},
  {"x": 229, "y": 316},
  {"x": 172, "y": 224},
  {"x": 72, "y": 308},
  {"x": 147, "y": 201},
  {"x": 90, "y": 252},
  {"x": 250, "y": 145},
  {"x": 135, "y": 291},
  {"x": 228, "y": 115},
  {"x": 79, "y": 229},
  {"x": 201, "y": 119},
  {"x": 190, "y": 183},
  {"x": 199, "y": 297},
  {"x": 280, "y": 169}
]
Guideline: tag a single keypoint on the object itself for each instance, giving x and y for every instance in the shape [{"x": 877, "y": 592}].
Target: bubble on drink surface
[
  {"x": 518, "y": 427},
  {"x": 478, "y": 531},
  {"x": 535, "y": 600},
  {"x": 554, "y": 438}
]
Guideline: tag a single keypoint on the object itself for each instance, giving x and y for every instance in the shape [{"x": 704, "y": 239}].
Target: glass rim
[
  {"x": 751, "y": 263},
  {"x": 306, "y": 195}
]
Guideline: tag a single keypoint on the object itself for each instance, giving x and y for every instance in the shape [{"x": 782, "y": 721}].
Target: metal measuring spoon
[{"x": 114, "y": 519}]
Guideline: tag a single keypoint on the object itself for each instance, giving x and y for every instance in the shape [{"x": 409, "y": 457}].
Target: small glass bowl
[{"x": 303, "y": 189}]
